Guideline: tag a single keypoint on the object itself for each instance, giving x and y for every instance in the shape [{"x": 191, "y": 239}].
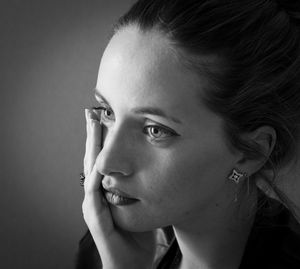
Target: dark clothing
[
  {"x": 271, "y": 244},
  {"x": 88, "y": 256},
  {"x": 274, "y": 243}
]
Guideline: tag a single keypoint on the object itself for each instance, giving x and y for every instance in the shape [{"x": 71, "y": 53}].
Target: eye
[
  {"x": 156, "y": 132},
  {"x": 104, "y": 113}
]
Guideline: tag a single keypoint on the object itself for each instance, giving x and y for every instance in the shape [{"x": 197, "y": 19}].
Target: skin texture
[
  {"x": 176, "y": 166},
  {"x": 175, "y": 178}
]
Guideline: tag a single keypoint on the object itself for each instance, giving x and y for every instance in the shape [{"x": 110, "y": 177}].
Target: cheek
[{"x": 188, "y": 174}]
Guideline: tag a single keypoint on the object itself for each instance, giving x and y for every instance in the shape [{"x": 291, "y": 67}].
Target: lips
[
  {"x": 116, "y": 197},
  {"x": 118, "y": 192}
]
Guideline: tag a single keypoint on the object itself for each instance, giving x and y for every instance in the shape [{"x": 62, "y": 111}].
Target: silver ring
[{"x": 81, "y": 178}]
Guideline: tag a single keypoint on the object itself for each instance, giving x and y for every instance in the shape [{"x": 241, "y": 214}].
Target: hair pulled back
[{"x": 255, "y": 78}]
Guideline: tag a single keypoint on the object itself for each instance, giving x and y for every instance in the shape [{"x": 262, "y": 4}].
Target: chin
[{"x": 128, "y": 221}]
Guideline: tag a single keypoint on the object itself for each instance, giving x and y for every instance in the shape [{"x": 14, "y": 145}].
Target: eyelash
[
  {"x": 146, "y": 130},
  {"x": 167, "y": 131}
]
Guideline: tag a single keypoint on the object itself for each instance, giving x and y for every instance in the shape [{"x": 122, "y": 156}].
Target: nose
[{"x": 116, "y": 156}]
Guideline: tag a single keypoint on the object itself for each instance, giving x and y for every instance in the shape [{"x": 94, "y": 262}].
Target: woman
[{"x": 198, "y": 107}]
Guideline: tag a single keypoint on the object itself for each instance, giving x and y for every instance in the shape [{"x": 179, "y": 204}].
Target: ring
[{"x": 81, "y": 178}]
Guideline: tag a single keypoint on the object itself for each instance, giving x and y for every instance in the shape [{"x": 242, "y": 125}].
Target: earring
[{"x": 237, "y": 176}]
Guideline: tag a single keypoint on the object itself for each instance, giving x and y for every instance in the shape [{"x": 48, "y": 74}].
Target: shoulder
[{"x": 273, "y": 243}]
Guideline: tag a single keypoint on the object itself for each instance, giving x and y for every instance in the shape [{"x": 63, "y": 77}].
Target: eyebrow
[
  {"x": 155, "y": 111},
  {"x": 144, "y": 110}
]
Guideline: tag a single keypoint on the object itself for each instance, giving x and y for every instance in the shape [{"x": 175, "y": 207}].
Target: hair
[{"x": 254, "y": 76}]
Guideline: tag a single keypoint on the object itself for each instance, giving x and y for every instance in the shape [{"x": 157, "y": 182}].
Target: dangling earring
[{"x": 236, "y": 177}]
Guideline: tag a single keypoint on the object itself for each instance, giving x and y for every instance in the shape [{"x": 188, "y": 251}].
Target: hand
[{"x": 118, "y": 249}]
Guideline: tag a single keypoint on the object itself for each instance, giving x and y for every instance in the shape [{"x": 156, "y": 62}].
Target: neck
[{"x": 219, "y": 242}]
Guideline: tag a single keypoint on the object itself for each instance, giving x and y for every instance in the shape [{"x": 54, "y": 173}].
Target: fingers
[
  {"x": 95, "y": 210},
  {"x": 94, "y": 203},
  {"x": 93, "y": 182},
  {"x": 93, "y": 141},
  {"x": 93, "y": 148},
  {"x": 87, "y": 144}
]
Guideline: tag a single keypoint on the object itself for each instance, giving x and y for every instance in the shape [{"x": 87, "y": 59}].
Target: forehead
[
  {"x": 144, "y": 63},
  {"x": 134, "y": 43},
  {"x": 141, "y": 69},
  {"x": 130, "y": 46}
]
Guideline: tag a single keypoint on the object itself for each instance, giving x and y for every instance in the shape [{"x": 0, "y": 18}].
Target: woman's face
[{"x": 163, "y": 147}]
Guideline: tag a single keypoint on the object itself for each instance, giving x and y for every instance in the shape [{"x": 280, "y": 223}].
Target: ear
[{"x": 265, "y": 138}]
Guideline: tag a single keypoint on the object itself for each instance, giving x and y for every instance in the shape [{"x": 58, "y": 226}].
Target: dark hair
[{"x": 255, "y": 72}]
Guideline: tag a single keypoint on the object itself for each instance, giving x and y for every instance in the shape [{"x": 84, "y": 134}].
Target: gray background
[{"x": 49, "y": 56}]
